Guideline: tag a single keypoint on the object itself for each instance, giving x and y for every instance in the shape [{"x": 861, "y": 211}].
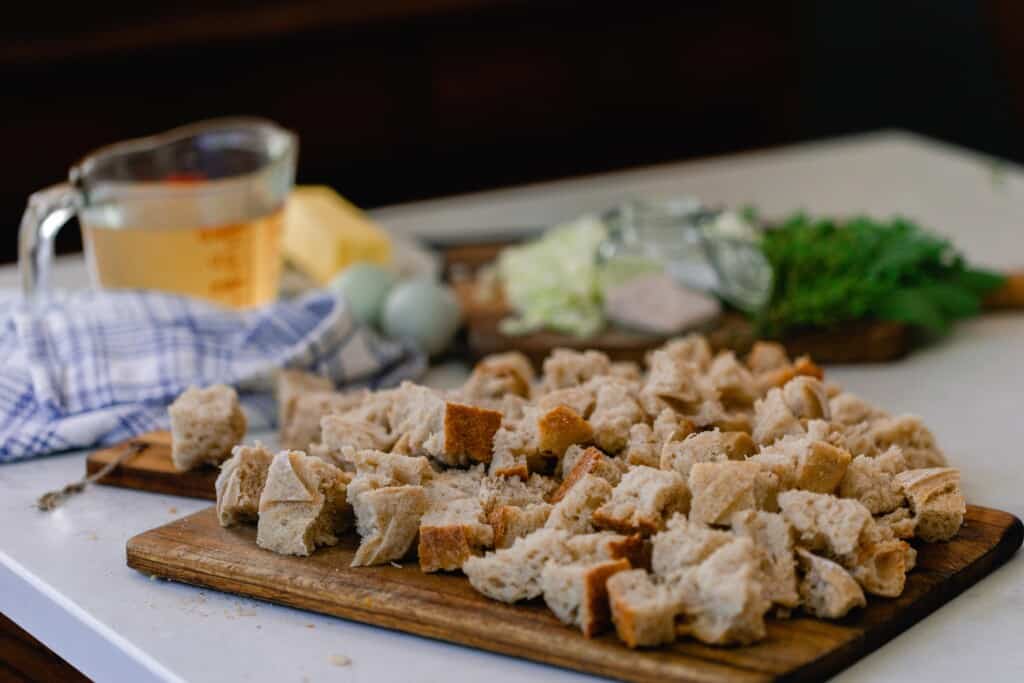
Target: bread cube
[
  {"x": 643, "y": 611},
  {"x": 734, "y": 382},
  {"x": 773, "y": 419},
  {"x": 451, "y": 532},
  {"x": 495, "y": 492},
  {"x": 565, "y": 368},
  {"x": 803, "y": 366},
  {"x": 510, "y": 522},
  {"x": 899, "y": 523},
  {"x": 914, "y": 439},
  {"x": 205, "y": 425},
  {"x": 827, "y": 590},
  {"x": 394, "y": 468},
  {"x": 849, "y": 409},
  {"x": 684, "y": 545},
  {"x": 801, "y": 462},
  {"x": 807, "y": 398},
  {"x": 580, "y": 400},
  {"x": 240, "y": 484},
  {"x": 499, "y": 375},
  {"x": 292, "y": 383},
  {"x": 720, "y": 489},
  {"x": 302, "y": 506},
  {"x": 872, "y": 481},
  {"x": 671, "y": 383},
  {"x": 578, "y": 595},
  {"x": 726, "y": 604},
  {"x": 575, "y": 512},
  {"x": 692, "y": 348},
  {"x": 713, "y": 446},
  {"x": 642, "y": 501},
  {"x": 341, "y": 432},
  {"x": 825, "y": 523},
  {"x": 591, "y": 461},
  {"x": 388, "y": 519},
  {"x": 936, "y": 501},
  {"x": 615, "y": 412},
  {"x": 300, "y": 425},
  {"x": 560, "y": 428},
  {"x": 765, "y": 356},
  {"x": 607, "y": 545},
  {"x": 773, "y": 536},
  {"x": 880, "y": 568},
  {"x": 514, "y": 574}
]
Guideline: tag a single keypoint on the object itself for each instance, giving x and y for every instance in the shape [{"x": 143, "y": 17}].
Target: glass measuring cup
[{"x": 197, "y": 210}]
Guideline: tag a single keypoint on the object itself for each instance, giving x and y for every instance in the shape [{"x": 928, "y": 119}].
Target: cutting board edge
[{"x": 1010, "y": 540}]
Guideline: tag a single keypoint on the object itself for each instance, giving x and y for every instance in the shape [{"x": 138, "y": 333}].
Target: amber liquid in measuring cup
[
  {"x": 196, "y": 211},
  {"x": 236, "y": 264}
]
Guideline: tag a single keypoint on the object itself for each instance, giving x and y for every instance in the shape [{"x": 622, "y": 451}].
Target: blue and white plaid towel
[{"x": 95, "y": 368}]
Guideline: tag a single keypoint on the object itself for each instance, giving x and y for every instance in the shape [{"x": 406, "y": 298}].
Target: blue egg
[
  {"x": 423, "y": 311},
  {"x": 365, "y": 287}
]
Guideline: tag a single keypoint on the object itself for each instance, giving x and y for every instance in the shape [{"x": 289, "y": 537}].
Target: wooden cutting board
[
  {"x": 151, "y": 469},
  {"x": 197, "y": 550}
]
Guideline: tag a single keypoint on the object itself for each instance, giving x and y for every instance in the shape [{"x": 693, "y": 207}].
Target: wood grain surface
[
  {"x": 198, "y": 551},
  {"x": 152, "y": 470}
]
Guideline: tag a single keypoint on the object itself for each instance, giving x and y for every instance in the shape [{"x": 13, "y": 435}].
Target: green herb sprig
[{"x": 829, "y": 272}]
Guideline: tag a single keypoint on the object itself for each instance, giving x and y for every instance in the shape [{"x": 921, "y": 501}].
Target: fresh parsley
[{"x": 829, "y": 272}]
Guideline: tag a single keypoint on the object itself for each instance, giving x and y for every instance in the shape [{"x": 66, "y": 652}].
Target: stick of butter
[{"x": 324, "y": 233}]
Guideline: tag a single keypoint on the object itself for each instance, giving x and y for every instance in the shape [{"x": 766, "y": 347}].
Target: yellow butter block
[{"x": 324, "y": 233}]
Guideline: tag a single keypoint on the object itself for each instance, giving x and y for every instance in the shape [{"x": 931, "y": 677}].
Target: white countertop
[{"x": 63, "y": 577}]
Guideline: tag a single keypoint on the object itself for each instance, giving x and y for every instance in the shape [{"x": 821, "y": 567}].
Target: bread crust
[
  {"x": 560, "y": 428},
  {"x": 469, "y": 431}
]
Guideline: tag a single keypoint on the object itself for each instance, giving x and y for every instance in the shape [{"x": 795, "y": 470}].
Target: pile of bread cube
[{"x": 691, "y": 497}]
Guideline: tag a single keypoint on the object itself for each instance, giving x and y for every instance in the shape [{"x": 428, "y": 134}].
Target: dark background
[{"x": 404, "y": 99}]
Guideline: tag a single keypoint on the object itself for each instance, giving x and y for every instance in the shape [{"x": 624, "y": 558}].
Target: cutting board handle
[{"x": 1010, "y": 295}]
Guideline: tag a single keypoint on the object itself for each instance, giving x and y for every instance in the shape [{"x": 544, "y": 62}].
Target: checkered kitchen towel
[{"x": 94, "y": 368}]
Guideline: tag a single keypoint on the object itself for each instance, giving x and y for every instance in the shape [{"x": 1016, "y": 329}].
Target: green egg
[
  {"x": 423, "y": 311},
  {"x": 365, "y": 287}
]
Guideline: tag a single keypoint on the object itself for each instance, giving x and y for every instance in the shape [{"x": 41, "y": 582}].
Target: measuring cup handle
[{"x": 47, "y": 212}]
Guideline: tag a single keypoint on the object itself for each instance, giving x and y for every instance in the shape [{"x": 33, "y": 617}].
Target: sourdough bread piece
[
  {"x": 802, "y": 462},
  {"x": 647, "y": 442},
  {"x": 850, "y": 409},
  {"x": 388, "y": 519},
  {"x": 766, "y": 356},
  {"x": 565, "y": 368},
  {"x": 880, "y": 567},
  {"x": 510, "y": 522},
  {"x": 615, "y": 412},
  {"x": 591, "y": 461},
  {"x": 671, "y": 383},
  {"x": 915, "y": 440},
  {"x": 691, "y": 348},
  {"x": 339, "y": 433},
  {"x": 514, "y": 574},
  {"x": 725, "y": 603},
  {"x": 711, "y": 446},
  {"x": 303, "y": 412},
  {"x": 579, "y": 399},
  {"x": 683, "y": 545},
  {"x": 733, "y": 381},
  {"x": 720, "y": 489},
  {"x": 642, "y": 501},
  {"x": 240, "y": 484},
  {"x": 292, "y": 383},
  {"x": 802, "y": 367},
  {"x": 393, "y": 468},
  {"x": 936, "y": 501},
  {"x": 559, "y": 428},
  {"x": 205, "y": 425},
  {"x": 773, "y": 536},
  {"x": 773, "y": 419},
  {"x": 872, "y": 481},
  {"x": 302, "y": 505},
  {"x": 495, "y": 492},
  {"x": 574, "y": 513},
  {"x": 899, "y": 523},
  {"x": 499, "y": 375},
  {"x": 826, "y": 589},
  {"x": 825, "y": 523},
  {"x": 642, "y": 609},
  {"x": 607, "y": 545},
  {"x": 451, "y": 532},
  {"x": 806, "y": 398},
  {"x": 577, "y": 593}
]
